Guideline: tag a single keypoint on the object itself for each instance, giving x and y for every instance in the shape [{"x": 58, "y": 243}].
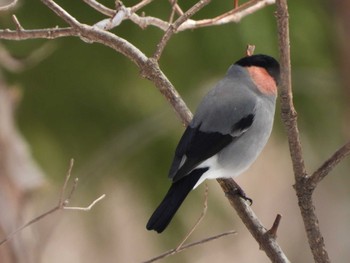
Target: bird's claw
[{"x": 238, "y": 191}]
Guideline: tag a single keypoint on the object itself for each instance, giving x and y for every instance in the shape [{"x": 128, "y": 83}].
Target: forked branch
[{"x": 62, "y": 205}]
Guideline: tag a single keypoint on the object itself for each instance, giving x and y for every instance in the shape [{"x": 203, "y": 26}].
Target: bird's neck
[{"x": 263, "y": 80}]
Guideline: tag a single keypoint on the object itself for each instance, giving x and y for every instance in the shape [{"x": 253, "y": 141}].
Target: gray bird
[{"x": 227, "y": 133}]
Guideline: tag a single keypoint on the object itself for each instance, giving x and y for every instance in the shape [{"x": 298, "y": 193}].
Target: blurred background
[{"x": 70, "y": 99}]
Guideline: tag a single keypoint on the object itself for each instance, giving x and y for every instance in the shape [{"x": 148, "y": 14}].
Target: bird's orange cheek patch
[{"x": 263, "y": 80}]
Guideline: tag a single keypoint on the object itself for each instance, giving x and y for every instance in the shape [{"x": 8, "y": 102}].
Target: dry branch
[
  {"x": 62, "y": 205},
  {"x": 328, "y": 165},
  {"x": 100, "y": 7},
  {"x": 200, "y": 242},
  {"x": 173, "y": 27},
  {"x": 304, "y": 184},
  {"x": 199, "y": 220},
  {"x": 266, "y": 242},
  {"x": 273, "y": 230}
]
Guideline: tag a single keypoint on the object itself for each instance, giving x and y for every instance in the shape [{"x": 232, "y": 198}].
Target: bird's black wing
[{"x": 196, "y": 146}]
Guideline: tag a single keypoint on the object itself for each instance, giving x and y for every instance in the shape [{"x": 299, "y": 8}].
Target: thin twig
[
  {"x": 72, "y": 21},
  {"x": 87, "y": 208},
  {"x": 173, "y": 27},
  {"x": 250, "y": 50},
  {"x": 145, "y": 21},
  {"x": 48, "y": 33},
  {"x": 200, "y": 242},
  {"x": 74, "y": 187},
  {"x": 100, "y": 7},
  {"x": 233, "y": 16},
  {"x": 140, "y": 5},
  {"x": 199, "y": 220},
  {"x": 61, "y": 205},
  {"x": 66, "y": 180},
  {"x": 173, "y": 11},
  {"x": 273, "y": 230},
  {"x": 246, "y": 7},
  {"x": 29, "y": 223},
  {"x": 177, "y": 8},
  {"x": 18, "y": 25},
  {"x": 328, "y": 165}
]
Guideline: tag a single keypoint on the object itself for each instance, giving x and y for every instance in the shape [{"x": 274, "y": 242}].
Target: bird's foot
[{"x": 239, "y": 191}]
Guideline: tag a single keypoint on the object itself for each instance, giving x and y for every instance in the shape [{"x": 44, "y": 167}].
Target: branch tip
[
  {"x": 273, "y": 230},
  {"x": 199, "y": 220},
  {"x": 329, "y": 164},
  {"x": 250, "y": 50},
  {"x": 17, "y": 23},
  {"x": 87, "y": 208}
]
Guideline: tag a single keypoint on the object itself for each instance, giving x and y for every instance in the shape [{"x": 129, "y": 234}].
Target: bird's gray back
[{"x": 223, "y": 106}]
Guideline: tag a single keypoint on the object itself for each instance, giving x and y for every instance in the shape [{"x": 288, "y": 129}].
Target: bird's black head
[{"x": 269, "y": 63}]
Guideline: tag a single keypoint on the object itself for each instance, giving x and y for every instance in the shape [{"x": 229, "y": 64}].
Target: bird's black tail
[{"x": 173, "y": 200}]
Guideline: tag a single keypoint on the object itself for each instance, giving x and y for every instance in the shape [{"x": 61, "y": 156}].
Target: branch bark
[
  {"x": 267, "y": 242},
  {"x": 304, "y": 184}
]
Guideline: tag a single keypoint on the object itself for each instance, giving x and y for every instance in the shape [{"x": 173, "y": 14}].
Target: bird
[{"x": 229, "y": 129}]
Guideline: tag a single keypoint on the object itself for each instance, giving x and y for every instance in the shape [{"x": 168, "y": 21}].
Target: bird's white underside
[{"x": 217, "y": 171}]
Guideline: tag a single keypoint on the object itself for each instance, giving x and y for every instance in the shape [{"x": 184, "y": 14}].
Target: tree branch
[
  {"x": 289, "y": 114},
  {"x": 266, "y": 241},
  {"x": 62, "y": 205},
  {"x": 173, "y": 27},
  {"x": 232, "y": 16},
  {"x": 302, "y": 186},
  {"x": 328, "y": 165},
  {"x": 100, "y": 7},
  {"x": 140, "y": 5},
  {"x": 200, "y": 242},
  {"x": 61, "y": 13},
  {"x": 48, "y": 33}
]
